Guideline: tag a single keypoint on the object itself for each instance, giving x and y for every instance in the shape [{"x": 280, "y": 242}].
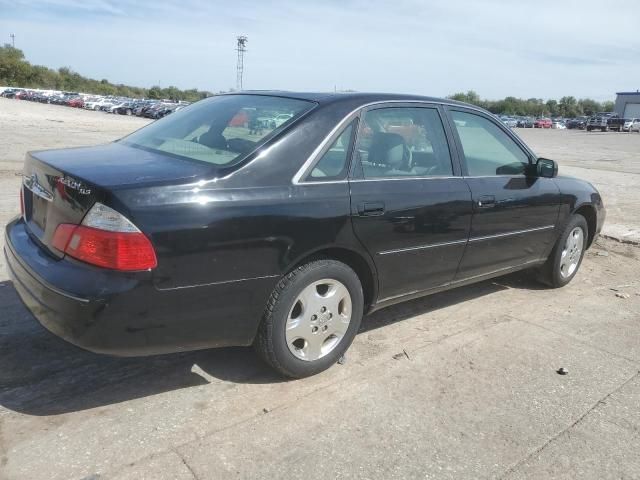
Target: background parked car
[
  {"x": 95, "y": 103},
  {"x": 162, "y": 110},
  {"x": 280, "y": 119},
  {"x": 125, "y": 108},
  {"x": 615, "y": 123},
  {"x": 76, "y": 102},
  {"x": 542, "y": 123},
  {"x": 579, "y": 123},
  {"x": 149, "y": 108},
  {"x": 9, "y": 93},
  {"x": 509, "y": 121},
  {"x": 525, "y": 122},
  {"x": 599, "y": 121},
  {"x": 627, "y": 124}
]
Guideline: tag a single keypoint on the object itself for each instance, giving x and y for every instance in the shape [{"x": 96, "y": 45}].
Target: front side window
[
  {"x": 403, "y": 142},
  {"x": 333, "y": 163},
  {"x": 222, "y": 130},
  {"x": 488, "y": 150}
]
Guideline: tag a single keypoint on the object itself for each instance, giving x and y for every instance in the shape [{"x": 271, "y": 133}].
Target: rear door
[
  {"x": 514, "y": 214},
  {"x": 410, "y": 207}
]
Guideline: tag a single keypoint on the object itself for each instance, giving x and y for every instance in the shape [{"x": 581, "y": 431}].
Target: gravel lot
[{"x": 457, "y": 385}]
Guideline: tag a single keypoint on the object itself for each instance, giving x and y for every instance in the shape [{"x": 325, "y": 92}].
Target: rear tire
[
  {"x": 567, "y": 254},
  {"x": 311, "y": 318}
]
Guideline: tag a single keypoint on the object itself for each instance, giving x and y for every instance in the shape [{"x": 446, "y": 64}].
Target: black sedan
[
  {"x": 197, "y": 232},
  {"x": 579, "y": 123}
]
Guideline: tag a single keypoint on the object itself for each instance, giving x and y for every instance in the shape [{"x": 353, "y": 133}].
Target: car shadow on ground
[{"x": 41, "y": 374}]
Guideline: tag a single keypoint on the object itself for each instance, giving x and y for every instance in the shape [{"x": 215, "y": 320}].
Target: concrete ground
[
  {"x": 462, "y": 384},
  {"x": 610, "y": 161}
]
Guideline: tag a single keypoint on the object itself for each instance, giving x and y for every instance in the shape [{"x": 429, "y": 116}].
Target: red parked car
[
  {"x": 76, "y": 102},
  {"x": 543, "y": 123}
]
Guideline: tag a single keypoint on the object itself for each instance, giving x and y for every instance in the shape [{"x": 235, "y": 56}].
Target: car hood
[{"x": 117, "y": 165}]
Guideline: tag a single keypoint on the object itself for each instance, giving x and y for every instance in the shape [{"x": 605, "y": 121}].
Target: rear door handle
[
  {"x": 371, "y": 209},
  {"x": 486, "y": 201}
]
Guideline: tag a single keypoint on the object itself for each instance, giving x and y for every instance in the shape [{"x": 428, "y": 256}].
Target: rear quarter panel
[{"x": 204, "y": 236}]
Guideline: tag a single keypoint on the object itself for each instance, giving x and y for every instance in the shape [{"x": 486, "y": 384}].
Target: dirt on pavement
[{"x": 461, "y": 384}]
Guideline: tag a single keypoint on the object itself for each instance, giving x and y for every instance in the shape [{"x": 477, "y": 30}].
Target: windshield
[{"x": 221, "y": 130}]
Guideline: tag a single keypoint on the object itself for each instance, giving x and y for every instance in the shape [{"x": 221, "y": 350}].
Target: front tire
[
  {"x": 311, "y": 318},
  {"x": 567, "y": 254}
]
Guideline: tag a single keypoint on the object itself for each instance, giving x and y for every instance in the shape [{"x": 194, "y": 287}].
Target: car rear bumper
[{"x": 123, "y": 313}]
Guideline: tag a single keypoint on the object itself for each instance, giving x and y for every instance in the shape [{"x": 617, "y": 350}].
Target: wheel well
[
  {"x": 589, "y": 213},
  {"x": 357, "y": 263}
]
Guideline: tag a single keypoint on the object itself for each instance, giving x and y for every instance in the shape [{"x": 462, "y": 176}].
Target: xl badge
[{"x": 74, "y": 185}]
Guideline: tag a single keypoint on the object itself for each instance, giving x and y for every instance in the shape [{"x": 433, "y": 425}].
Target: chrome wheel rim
[
  {"x": 571, "y": 252},
  {"x": 318, "y": 319}
]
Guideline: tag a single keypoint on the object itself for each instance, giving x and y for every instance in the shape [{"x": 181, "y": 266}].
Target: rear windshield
[{"x": 221, "y": 130}]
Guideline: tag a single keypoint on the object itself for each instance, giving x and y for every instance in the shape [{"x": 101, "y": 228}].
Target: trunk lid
[{"x": 60, "y": 186}]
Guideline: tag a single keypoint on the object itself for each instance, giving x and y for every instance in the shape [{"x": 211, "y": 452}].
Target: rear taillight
[
  {"x": 106, "y": 239},
  {"x": 22, "y": 201}
]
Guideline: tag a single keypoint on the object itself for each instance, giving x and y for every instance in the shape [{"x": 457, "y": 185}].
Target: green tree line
[
  {"x": 16, "y": 71},
  {"x": 536, "y": 107}
]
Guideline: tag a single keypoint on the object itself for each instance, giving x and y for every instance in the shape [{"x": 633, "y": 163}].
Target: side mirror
[{"x": 546, "y": 168}]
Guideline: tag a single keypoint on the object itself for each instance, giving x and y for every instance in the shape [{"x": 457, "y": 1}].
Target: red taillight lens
[
  {"x": 22, "y": 201},
  {"x": 125, "y": 251},
  {"x": 62, "y": 235}
]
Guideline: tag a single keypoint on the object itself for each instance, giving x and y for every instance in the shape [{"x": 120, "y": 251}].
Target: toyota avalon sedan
[{"x": 198, "y": 231}]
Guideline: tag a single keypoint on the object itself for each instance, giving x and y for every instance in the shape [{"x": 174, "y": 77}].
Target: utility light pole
[
  {"x": 241, "y": 49},
  {"x": 13, "y": 40}
]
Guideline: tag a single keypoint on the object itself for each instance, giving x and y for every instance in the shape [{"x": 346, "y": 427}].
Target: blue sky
[{"x": 525, "y": 48}]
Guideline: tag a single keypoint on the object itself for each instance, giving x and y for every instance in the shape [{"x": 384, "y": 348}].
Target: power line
[{"x": 241, "y": 49}]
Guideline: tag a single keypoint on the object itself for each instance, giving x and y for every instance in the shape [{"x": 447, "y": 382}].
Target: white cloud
[{"x": 541, "y": 48}]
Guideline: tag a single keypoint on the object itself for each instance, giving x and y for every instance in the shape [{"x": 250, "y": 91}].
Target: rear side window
[
  {"x": 222, "y": 130},
  {"x": 333, "y": 164},
  {"x": 403, "y": 142},
  {"x": 488, "y": 150}
]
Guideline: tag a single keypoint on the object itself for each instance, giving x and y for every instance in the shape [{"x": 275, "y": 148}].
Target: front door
[
  {"x": 515, "y": 214},
  {"x": 410, "y": 207}
]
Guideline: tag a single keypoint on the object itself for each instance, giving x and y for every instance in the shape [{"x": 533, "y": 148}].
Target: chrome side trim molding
[
  {"x": 393, "y": 297},
  {"x": 422, "y": 247},
  {"x": 473, "y": 239},
  {"x": 387, "y": 179},
  {"x": 223, "y": 282},
  {"x": 320, "y": 182},
  {"x": 508, "y": 234},
  {"x": 297, "y": 178}
]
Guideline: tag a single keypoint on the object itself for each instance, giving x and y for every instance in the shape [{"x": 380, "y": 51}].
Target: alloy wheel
[
  {"x": 318, "y": 319},
  {"x": 572, "y": 252}
]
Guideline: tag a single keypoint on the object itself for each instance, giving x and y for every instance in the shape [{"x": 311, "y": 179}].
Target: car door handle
[
  {"x": 371, "y": 208},
  {"x": 486, "y": 201}
]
